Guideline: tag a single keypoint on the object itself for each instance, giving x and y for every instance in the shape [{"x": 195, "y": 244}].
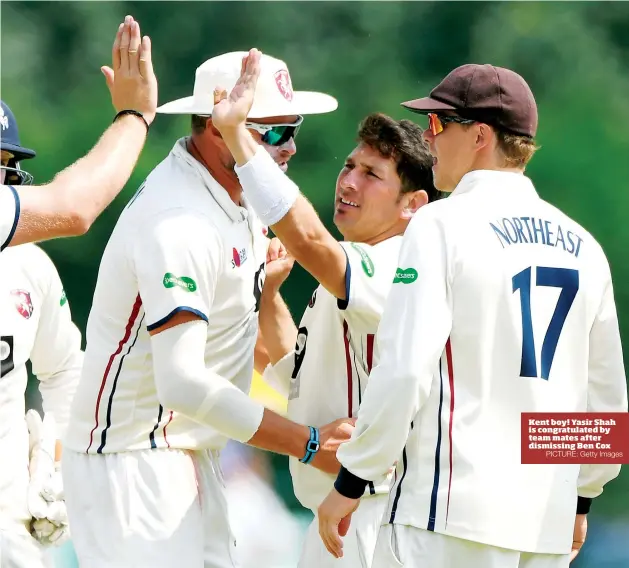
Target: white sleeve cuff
[
  {"x": 278, "y": 376},
  {"x": 268, "y": 189}
]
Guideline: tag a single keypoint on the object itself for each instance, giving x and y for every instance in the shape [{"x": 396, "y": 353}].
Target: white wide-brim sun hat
[{"x": 274, "y": 94}]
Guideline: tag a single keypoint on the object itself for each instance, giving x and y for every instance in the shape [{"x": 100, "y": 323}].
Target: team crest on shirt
[
  {"x": 283, "y": 82},
  {"x": 238, "y": 257},
  {"x": 23, "y": 303}
]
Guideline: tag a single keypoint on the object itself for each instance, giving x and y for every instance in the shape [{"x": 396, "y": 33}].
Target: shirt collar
[
  {"x": 483, "y": 179},
  {"x": 235, "y": 212}
]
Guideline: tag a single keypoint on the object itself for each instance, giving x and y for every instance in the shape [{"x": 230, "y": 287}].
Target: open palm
[{"x": 231, "y": 111}]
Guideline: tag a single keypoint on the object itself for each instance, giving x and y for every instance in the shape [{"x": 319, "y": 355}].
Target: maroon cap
[{"x": 494, "y": 95}]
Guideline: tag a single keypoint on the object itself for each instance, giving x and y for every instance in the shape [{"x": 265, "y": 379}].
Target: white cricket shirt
[
  {"x": 501, "y": 304},
  {"x": 335, "y": 352},
  {"x": 180, "y": 244},
  {"x": 35, "y": 325},
  {"x": 9, "y": 214}
]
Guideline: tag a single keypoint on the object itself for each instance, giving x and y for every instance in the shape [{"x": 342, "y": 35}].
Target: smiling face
[{"x": 367, "y": 200}]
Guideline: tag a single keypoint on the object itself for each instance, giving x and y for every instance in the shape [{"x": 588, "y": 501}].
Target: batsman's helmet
[{"x": 12, "y": 148}]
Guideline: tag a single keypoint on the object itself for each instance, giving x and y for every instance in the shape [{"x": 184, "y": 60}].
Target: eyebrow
[{"x": 350, "y": 161}]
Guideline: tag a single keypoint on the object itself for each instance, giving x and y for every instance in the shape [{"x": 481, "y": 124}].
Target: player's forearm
[
  {"x": 184, "y": 384},
  {"x": 278, "y": 202},
  {"x": 240, "y": 143},
  {"x": 277, "y": 325},
  {"x": 261, "y": 357},
  {"x": 280, "y": 435},
  {"x": 93, "y": 182},
  {"x": 72, "y": 201},
  {"x": 309, "y": 242},
  {"x": 382, "y": 429}
]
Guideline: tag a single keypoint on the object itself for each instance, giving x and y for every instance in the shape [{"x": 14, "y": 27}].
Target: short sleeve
[
  {"x": 177, "y": 262},
  {"x": 9, "y": 214},
  {"x": 368, "y": 280}
]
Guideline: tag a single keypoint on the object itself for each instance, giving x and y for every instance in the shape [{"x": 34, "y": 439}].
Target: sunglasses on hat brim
[
  {"x": 437, "y": 122},
  {"x": 276, "y": 134}
]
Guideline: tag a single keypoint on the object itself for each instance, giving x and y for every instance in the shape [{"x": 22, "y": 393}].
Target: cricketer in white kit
[
  {"x": 509, "y": 309},
  {"x": 35, "y": 326},
  {"x": 384, "y": 180},
  {"x": 325, "y": 377},
  {"x": 156, "y": 401}
]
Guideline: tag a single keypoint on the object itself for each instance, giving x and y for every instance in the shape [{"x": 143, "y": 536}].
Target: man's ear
[
  {"x": 412, "y": 201},
  {"x": 484, "y": 136}
]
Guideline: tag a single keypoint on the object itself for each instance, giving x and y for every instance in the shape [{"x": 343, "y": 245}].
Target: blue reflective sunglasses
[{"x": 276, "y": 134}]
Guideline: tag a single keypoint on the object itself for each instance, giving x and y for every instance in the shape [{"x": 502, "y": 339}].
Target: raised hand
[
  {"x": 230, "y": 111},
  {"x": 131, "y": 80},
  {"x": 278, "y": 265}
]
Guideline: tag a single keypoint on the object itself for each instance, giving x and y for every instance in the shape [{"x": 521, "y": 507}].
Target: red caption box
[{"x": 575, "y": 437}]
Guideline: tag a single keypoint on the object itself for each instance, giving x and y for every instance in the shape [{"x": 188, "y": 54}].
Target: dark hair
[
  {"x": 402, "y": 141},
  {"x": 198, "y": 123}
]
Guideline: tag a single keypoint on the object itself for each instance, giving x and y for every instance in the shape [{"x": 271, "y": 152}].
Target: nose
[
  {"x": 289, "y": 147},
  {"x": 347, "y": 180},
  {"x": 428, "y": 136}
]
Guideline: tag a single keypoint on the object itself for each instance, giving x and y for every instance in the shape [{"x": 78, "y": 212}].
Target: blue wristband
[{"x": 312, "y": 447}]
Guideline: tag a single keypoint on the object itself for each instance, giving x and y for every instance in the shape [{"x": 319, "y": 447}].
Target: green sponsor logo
[
  {"x": 184, "y": 282},
  {"x": 64, "y": 299},
  {"x": 405, "y": 275},
  {"x": 365, "y": 261}
]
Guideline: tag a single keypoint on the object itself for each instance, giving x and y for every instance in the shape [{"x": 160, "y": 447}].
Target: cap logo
[
  {"x": 4, "y": 119},
  {"x": 283, "y": 82}
]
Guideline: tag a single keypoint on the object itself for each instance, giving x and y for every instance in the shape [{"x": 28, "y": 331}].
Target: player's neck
[
  {"x": 395, "y": 230},
  {"x": 219, "y": 164},
  {"x": 492, "y": 161}
]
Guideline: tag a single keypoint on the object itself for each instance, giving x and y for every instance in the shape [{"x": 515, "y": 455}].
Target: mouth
[
  {"x": 346, "y": 203},
  {"x": 283, "y": 166}
]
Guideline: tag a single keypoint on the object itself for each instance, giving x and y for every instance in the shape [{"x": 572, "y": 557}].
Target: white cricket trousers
[
  {"x": 148, "y": 509},
  {"x": 359, "y": 543},
  {"x": 410, "y": 547}
]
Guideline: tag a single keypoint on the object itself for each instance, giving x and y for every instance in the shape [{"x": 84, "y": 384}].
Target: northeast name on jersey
[{"x": 502, "y": 304}]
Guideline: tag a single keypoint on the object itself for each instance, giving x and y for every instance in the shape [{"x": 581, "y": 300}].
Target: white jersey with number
[
  {"x": 180, "y": 244},
  {"x": 9, "y": 214},
  {"x": 335, "y": 351},
  {"x": 35, "y": 325},
  {"x": 501, "y": 305}
]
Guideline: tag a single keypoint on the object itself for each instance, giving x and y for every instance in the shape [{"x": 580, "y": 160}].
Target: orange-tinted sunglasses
[{"x": 436, "y": 123}]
